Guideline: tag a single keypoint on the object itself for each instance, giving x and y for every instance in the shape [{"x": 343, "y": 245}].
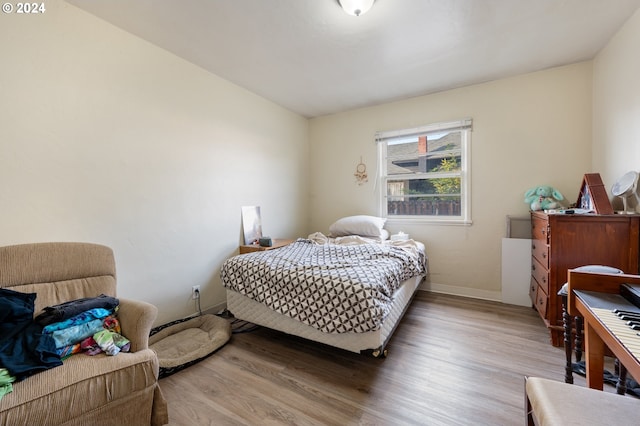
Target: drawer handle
[
  {"x": 544, "y": 255},
  {"x": 533, "y": 267},
  {"x": 533, "y": 246}
]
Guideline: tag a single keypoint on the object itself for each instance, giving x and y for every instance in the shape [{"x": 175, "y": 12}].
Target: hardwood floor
[{"x": 452, "y": 361}]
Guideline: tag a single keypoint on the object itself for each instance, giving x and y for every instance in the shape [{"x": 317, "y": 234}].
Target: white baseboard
[
  {"x": 474, "y": 293},
  {"x": 215, "y": 309}
]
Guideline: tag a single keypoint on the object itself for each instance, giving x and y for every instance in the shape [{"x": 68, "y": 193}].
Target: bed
[{"x": 349, "y": 291}]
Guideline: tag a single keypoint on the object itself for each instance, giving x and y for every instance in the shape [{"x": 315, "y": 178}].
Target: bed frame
[{"x": 372, "y": 343}]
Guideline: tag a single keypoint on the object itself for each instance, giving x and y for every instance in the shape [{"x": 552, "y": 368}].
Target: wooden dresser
[{"x": 566, "y": 241}]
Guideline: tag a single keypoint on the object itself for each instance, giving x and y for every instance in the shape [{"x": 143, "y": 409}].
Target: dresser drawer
[
  {"x": 533, "y": 289},
  {"x": 540, "y": 229},
  {"x": 540, "y": 251},
  {"x": 541, "y": 302},
  {"x": 540, "y": 274}
]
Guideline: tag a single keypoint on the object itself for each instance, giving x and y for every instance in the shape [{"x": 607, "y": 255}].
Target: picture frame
[
  {"x": 251, "y": 224},
  {"x": 593, "y": 195}
]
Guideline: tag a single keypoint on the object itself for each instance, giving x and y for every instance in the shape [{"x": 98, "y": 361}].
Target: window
[{"x": 424, "y": 173}]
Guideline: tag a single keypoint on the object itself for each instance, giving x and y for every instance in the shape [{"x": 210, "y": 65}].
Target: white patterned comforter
[{"x": 335, "y": 285}]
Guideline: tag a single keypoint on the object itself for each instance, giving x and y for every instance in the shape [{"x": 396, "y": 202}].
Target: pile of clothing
[
  {"x": 84, "y": 325},
  {"x": 29, "y": 345},
  {"x": 5, "y": 382}
]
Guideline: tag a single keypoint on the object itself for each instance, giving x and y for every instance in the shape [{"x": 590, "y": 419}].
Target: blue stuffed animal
[{"x": 543, "y": 197}]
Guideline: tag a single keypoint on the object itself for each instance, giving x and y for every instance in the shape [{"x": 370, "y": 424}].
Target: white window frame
[{"x": 465, "y": 125}]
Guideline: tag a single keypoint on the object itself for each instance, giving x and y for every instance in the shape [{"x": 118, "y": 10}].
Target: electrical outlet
[{"x": 195, "y": 292}]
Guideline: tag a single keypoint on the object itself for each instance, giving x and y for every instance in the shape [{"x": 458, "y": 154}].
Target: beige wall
[
  {"x": 529, "y": 130},
  {"x": 106, "y": 138},
  {"x": 616, "y": 105}
]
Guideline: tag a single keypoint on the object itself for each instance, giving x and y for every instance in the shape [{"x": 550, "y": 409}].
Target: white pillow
[{"x": 363, "y": 225}]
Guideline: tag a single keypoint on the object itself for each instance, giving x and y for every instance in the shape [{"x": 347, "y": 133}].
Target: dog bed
[{"x": 185, "y": 342}]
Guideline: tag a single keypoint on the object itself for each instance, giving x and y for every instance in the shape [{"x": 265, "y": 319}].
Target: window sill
[{"x": 395, "y": 220}]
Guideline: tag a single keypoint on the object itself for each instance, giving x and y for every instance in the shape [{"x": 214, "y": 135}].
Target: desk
[{"x": 600, "y": 334}]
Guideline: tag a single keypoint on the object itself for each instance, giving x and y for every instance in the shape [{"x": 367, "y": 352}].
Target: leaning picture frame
[
  {"x": 593, "y": 195},
  {"x": 251, "y": 224}
]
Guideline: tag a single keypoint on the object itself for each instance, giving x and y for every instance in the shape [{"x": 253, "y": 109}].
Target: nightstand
[{"x": 249, "y": 248}]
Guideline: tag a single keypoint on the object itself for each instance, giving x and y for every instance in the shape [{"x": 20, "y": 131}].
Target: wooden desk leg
[
  {"x": 568, "y": 350},
  {"x": 621, "y": 386},
  {"x": 594, "y": 351},
  {"x": 579, "y": 336}
]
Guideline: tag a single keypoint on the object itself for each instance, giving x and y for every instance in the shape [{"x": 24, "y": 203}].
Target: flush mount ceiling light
[{"x": 356, "y": 7}]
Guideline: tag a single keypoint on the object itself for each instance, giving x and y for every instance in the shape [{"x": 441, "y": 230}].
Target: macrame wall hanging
[{"x": 361, "y": 173}]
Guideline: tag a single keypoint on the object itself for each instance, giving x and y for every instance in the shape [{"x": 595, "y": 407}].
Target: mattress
[
  {"x": 333, "y": 287},
  {"x": 374, "y": 342}
]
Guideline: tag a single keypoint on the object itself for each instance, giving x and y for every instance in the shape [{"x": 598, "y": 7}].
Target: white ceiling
[{"x": 312, "y": 58}]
